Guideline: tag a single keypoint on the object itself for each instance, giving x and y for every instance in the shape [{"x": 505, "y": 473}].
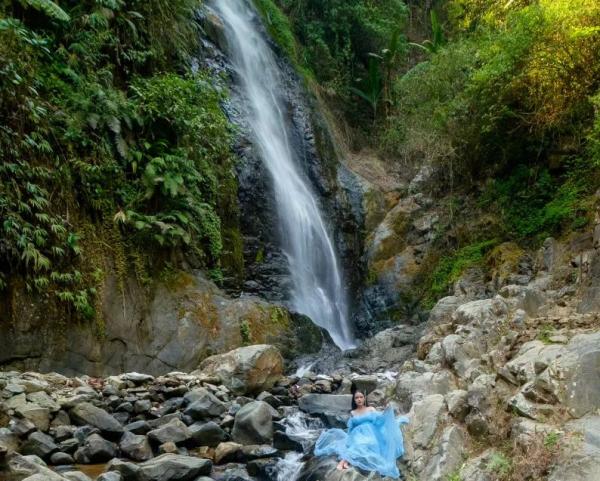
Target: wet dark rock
[
  {"x": 264, "y": 469},
  {"x": 282, "y": 441}
]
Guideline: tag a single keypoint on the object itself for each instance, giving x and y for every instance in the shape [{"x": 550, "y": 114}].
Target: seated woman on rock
[{"x": 373, "y": 441}]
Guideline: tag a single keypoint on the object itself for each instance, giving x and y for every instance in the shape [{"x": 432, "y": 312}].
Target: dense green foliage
[
  {"x": 101, "y": 122},
  {"x": 338, "y": 37}
]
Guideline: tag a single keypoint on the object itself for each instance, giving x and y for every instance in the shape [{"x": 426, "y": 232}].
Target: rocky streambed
[{"x": 234, "y": 418}]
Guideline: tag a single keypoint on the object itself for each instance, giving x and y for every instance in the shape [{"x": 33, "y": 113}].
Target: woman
[{"x": 373, "y": 442}]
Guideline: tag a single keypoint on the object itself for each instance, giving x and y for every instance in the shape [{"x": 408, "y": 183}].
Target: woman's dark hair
[{"x": 354, "y": 390}]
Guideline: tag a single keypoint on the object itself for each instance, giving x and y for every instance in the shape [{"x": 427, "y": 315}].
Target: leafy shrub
[
  {"x": 337, "y": 36},
  {"x": 99, "y": 120}
]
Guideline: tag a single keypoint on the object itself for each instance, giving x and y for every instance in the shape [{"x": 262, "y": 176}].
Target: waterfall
[{"x": 317, "y": 286}]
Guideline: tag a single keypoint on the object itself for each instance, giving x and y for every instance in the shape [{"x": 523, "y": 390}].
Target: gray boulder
[
  {"x": 175, "y": 431},
  {"x": 582, "y": 461},
  {"x": 573, "y": 378},
  {"x": 253, "y": 424},
  {"x": 39, "y": 444},
  {"x": 250, "y": 369},
  {"x": 204, "y": 404},
  {"x": 135, "y": 446},
  {"x": 96, "y": 449},
  {"x": 167, "y": 467},
  {"x": 31, "y": 468},
  {"x": 38, "y": 415},
  {"x": 332, "y": 404},
  {"x": 86, "y": 413},
  {"x": 208, "y": 434}
]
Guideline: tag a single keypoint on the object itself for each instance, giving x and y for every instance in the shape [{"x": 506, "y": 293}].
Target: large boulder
[
  {"x": 573, "y": 377},
  {"x": 581, "y": 460},
  {"x": 88, "y": 414},
  {"x": 254, "y": 424},
  {"x": 246, "y": 370},
  {"x": 203, "y": 404}
]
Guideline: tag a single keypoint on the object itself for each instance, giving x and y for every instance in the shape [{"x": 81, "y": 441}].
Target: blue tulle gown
[{"x": 373, "y": 442}]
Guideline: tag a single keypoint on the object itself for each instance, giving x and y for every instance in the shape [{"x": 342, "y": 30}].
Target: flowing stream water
[{"x": 317, "y": 286}]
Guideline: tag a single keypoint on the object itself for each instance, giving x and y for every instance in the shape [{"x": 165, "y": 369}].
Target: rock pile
[{"x": 172, "y": 427}]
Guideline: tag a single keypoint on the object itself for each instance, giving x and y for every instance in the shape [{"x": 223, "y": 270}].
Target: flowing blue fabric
[{"x": 373, "y": 442}]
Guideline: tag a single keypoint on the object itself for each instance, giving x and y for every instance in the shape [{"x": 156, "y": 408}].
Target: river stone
[
  {"x": 138, "y": 427},
  {"x": 39, "y": 444},
  {"x": 204, "y": 404},
  {"x": 168, "y": 467},
  {"x": 227, "y": 451},
  {"x": 323, "y": 468},
  {"x": 207, "y": 434},
  {"x": 135, "y": 446},
  {"x": 96, "y": 449},
  {"x": 250, "y": 369},
  {"x": 43, "y": 400},
  {"x": 86, "y": 413},
  {"x": 253, "y": 424},
  {"x": 60, "y": 459},
  {"x": 39, "y": 416},
  {"x": 174, "y": 431}
]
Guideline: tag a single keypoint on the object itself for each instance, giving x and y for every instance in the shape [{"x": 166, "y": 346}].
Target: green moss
[
  {"x": 449, "y": 269},
  {"x": 278, "y": 27}
]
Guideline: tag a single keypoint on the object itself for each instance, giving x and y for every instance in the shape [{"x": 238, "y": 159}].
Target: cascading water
[{"x": 318, "y": 290}]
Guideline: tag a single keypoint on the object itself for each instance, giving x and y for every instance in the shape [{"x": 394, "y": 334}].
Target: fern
[{"x": 48, "y": 7}]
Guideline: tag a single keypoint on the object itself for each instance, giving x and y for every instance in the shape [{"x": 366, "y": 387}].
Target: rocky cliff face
[
  {"x": 184, "y": 319},
  {"x": 338, "y": 189}
]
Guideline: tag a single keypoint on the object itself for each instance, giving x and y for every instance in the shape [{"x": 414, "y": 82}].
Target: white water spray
[{"x": 317, "y": 291}]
